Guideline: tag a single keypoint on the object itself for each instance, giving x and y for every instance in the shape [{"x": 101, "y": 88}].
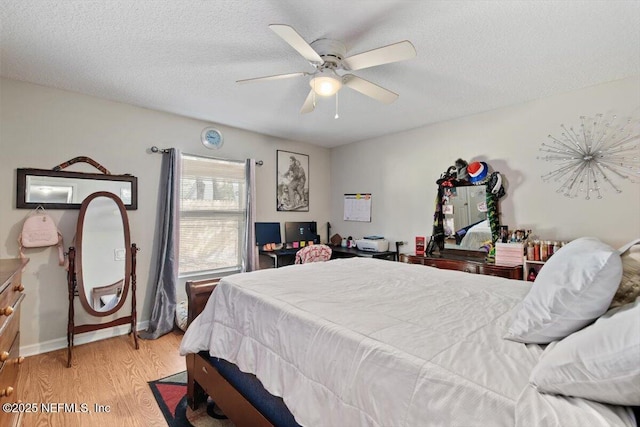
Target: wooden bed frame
[{"x": 204, "y": 379}]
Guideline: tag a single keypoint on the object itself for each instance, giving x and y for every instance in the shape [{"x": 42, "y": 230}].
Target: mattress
[{"x": 369, "y": 342}]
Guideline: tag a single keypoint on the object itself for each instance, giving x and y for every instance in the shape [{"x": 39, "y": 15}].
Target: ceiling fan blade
[
  {"x": 309, "y": 103},
  {"x": 382, "y": 55},
  {"x": 372, "y": 90},
  {"x": 275, "y": 77},
  {"x": 296, "y": 41}
]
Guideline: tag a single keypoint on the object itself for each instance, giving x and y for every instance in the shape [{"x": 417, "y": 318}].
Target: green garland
[
  {"x": 438, "y": 220},
  {"x": 494, "y": 217}
]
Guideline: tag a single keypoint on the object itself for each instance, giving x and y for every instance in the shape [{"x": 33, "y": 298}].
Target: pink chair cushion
[{"x": 313, "y": 253}]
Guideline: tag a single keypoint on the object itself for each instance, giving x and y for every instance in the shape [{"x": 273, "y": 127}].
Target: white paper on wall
[{"x": 357, "y": 207}]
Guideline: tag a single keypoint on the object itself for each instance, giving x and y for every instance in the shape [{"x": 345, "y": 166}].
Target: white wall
[
  {"x": 41, "y": 127},
  {"x": 400, "y": 170}
]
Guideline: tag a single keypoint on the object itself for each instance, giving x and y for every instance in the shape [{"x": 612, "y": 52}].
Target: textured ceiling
[{"x": 185, "y": 56}]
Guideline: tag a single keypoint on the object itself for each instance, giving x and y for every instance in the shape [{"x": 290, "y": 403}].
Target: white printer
[{"x": 373, "y": 244}]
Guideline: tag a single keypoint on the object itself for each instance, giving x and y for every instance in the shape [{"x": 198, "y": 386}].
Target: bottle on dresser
[
  {"x": 543, "y": 251},
  {"x": 530, "y": 251},
  {"x": 536, "y": 250}
]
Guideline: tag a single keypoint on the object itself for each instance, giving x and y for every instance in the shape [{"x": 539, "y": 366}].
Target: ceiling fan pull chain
[{"x": 336, "y": 116}]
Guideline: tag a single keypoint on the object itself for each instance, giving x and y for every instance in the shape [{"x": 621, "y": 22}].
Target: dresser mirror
[
  {"x": 466, "y": 215},
  {"x": 102, "y": 264}
]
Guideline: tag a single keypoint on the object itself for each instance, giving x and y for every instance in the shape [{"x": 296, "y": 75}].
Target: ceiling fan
[{"x": 328, "y": 57}]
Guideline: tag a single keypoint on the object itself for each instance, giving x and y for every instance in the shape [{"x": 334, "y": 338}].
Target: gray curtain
[
  {"x": 249, "y": 249},
  {"x": 164, "y": 306}
]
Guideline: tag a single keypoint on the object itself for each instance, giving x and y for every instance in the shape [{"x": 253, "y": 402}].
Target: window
[{"x": 212, "y": 214}]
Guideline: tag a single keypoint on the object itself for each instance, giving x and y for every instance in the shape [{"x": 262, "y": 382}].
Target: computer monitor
[
  {"x": 267, "y": 232},
  {"x": 300, "y": 231}
]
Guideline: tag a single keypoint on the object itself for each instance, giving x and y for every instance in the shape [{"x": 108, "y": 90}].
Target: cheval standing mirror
[{"x": 102, "y": 265}]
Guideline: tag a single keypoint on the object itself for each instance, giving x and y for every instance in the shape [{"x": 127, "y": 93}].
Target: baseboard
[{"x": 85, "y": 338}]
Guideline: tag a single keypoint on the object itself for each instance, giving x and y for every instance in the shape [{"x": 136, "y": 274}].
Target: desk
[
  {"x": 340, "y": 252},
  {"x": 284, "y": 257},
  {"x": 280, "y": 257}
]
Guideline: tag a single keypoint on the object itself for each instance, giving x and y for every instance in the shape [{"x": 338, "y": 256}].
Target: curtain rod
[{"x": 155, "y": 149}]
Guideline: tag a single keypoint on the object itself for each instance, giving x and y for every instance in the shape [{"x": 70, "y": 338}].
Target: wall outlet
[{"x": 119, "y": 254}]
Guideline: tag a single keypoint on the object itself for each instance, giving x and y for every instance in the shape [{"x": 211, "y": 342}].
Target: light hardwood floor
[{"x": 108, "y": 373}]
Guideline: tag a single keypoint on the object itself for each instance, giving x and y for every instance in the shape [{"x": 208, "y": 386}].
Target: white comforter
[
  {"x": 477, "y": 236},
  {"x": 368, "y": 342}
]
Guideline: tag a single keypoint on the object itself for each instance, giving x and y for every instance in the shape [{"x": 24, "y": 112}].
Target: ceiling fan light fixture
[{"x": 326, "y": 83}]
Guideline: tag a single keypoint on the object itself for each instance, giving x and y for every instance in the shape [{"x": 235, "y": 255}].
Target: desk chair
[{"x": 313, "y": 253}]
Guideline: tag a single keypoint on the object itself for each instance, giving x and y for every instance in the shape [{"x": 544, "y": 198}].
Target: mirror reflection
[
  {"x": 67, "y": 190},
  {"x": 465, "y": 217},
  {"x": 104, "y": 254},
  {"x": 52, "y": 189}
]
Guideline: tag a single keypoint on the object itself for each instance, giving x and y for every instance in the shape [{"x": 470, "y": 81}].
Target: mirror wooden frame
[
  {"x": 80, "y": 282},
  {"x": 23, "y": 173},
  {"x": 75, "y": 279},
  {"x": 493, "y": 213}
]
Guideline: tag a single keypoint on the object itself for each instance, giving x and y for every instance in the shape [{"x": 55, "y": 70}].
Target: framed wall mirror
[{"x": 66, "y": 190}]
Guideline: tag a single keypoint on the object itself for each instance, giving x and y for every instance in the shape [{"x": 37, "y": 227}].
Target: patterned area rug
[{"x": 171, "y": 396}]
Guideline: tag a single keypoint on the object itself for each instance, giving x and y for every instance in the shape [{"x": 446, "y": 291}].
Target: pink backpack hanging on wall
[{"x": 38, "y": 231}]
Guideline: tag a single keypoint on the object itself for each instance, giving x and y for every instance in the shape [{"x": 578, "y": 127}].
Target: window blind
[{"x": 212, "y": 214}]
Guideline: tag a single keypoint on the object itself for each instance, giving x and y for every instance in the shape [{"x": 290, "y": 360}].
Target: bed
[
  {"x": 362, "y": 341},
  {"x": 476, "y": 236}
]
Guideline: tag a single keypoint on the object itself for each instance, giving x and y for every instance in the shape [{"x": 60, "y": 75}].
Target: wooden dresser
[
  {"x": 10, "y": 298},
  {"x": 469, "y": 263}
]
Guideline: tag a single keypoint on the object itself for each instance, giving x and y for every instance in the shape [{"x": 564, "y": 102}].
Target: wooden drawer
[
  {"x": 232, "y": 403},
  {"x": 203, "y": 374},
  {"x": 10, "y": 327},
  {"x": 9, "y": 296},
  {"x": 9, "y": 378},
  {"x": 501, "y": 271},
  {"x": 449, "y": 264},
  {"x": 470, "y": 266},
  {"x": 411, "y": 259},
  {"x": 445, "y": 264},
  {"x": 9, "y": 371}
]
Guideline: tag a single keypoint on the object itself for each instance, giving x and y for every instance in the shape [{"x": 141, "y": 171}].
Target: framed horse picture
[{"x": 292, "y": 177}]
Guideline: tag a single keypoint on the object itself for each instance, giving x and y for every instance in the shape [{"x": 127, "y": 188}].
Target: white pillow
[
  {"x": 573, "y": 288},
  {"x": 600, "y": 362}
]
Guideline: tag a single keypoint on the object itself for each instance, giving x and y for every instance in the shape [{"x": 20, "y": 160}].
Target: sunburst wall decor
[{"x": 589, "y": 159}]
